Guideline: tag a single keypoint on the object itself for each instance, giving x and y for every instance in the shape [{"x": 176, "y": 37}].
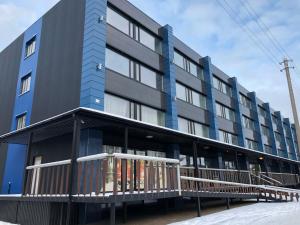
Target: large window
[
  {"x": 122, "y": 107},
  {"x": 248, "y": 123},
  {"x": 116, "y": 105},
  {"x": 268, "y": 149},
  {"x": 286, "y": 130},
  {"x": 117, "y": 62},
  {"x": 21, "y": 121},
  {"x": 228, "y": 137},
  {"x": 222, "y": 86},
  {"x": 265, "y": 131},
  {"x": 133, "y": 30},
  {"x": 278, "y": 137},
  {"x": 132, "y": 69},
  {"x": 190, "y": 96},
  {"x": 150, "y": 115},
  {"x": 25, "y": 84},
  {"x": 188, "y": 65},
  {"x": 245, "y": 101},
  {"x": 276, "y": 122},
  {"x": 30, "y": 47},
  {"x": 225, "y": 112},
  {"x": 262, "y": 112},
  {"x": 192, "y": 127},
  {"x": 251, "y": 144}
]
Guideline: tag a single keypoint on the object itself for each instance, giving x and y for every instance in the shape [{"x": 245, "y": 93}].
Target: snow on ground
[
  {"x": 4, "y": 223},
  {"x": 258, "y": 214}
]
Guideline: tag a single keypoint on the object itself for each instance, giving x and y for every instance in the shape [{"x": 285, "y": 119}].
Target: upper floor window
[
  {"x": 222, "y": 86},
  {"x": 21, "y": 121},
  {"x": 278, "y": 137},
  {"x": 251, "y": 144},
  {"x": 225, "y": 112},
  {"x": 268, "y": 149},
  {"x": 192, "y": 127},
  {"x": 265, "y": 131},
  {"x": 228, "y": 137},
  {"x": 262, "y": 112},
  {"x": 133, "y": 30},
  {"x": 276, "y": 122},
  {"x": 188, "y": 65},
  {"x": 245, "y": 101},
  {"x": 190, "y": 96},
  {"x": 248, "y": 123},
  {"x": 30, "y": 47},
  {"x": 286, "y": 129},
  {"x": 133, "y": 69},
  {"x": 123, "y": 107},
  {"x": 25, "y": 84}
]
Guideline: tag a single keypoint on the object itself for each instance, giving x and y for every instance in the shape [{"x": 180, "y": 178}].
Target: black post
[
  {"x": 125, "y": 149},
  {"x": 195, "y": 162},
  {"x": 113, "y": 213},
  {"x": 29, "y": 144},
  {"x": 74, "y": 152},
  {"x": 227, "y": 203},
  {"x": 124, "y": 212},
  {"x": 238, "y": 166}
]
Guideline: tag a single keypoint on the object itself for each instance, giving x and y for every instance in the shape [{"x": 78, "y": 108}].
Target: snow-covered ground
[
  {"x": 3, "y": 223},
  {"x": 258, "y": 214}
]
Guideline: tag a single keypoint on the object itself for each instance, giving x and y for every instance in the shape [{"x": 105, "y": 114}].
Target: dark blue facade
[{"x": 14, "y": 167}]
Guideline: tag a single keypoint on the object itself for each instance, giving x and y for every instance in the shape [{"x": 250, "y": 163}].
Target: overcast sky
[{"x": 205, "y": 26}]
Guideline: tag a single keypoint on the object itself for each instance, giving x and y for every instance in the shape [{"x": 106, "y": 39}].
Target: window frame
[{"x": 30, "y": 44}]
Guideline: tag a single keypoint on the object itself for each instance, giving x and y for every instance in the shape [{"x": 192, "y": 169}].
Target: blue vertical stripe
[
  {"x": 211, "y": 100},
  {"x": 93, "y": 59},
  {"x": 15, "y": 161}
]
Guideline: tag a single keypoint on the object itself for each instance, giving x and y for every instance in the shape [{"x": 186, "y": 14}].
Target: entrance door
[{"x": 36, "y": 175}]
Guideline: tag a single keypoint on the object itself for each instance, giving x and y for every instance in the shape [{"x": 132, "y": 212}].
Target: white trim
[
  {"x": 93, "y": 157},
  {"x": 52, "y": 164},
  {"x": 146, "y": 158}
]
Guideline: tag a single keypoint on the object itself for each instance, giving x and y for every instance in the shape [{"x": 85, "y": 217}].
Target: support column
[
  {"x": 257, "y": 122},
  {"x": 239, "y": 115},
  {"x": 73, "y": 166},
  {"x": 195, "y": 162},
  {"x": 112, "y": 213},
  {"x": 270, "y": 124},
  {"x": 211, "y": 100}
]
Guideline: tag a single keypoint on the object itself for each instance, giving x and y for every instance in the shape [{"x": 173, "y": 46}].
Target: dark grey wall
[
  {"x": 58, "y": 79},
  {"x": 9, "y": 70}
]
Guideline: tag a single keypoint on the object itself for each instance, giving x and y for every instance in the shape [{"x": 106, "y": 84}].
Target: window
[
  {"x": 278, "y": 137},
  {"x": 225, "y": 112},
  {"x": 190, "y": 96},
  {"x": 25, "y": 84},
  {"x": 148, "y": 77},
  {"x": 133, "y": 30},
  {"x": 281, "y": 153},
  {"x": 30, "y": 47},
  {"x": 188, "y": 65},
  {"x": 116, "y": 105},
  {"x": 192, "y": 127},
  {"x": 276, "y": 122},
  {"x": 183, "y": 125},
  {"x": 117, "y": 62},
  {"x": 201, "y": 130},
  {"x": 122, "y": 107},
  {"x": 222, "y": 86},
  {"x": 118, "y": 21},
  {"x": 132, "y": 69},
  {"x": 262, "y": 112},
  {"x": 248, "y": 123},
  {"x": 268, "y": 149},
  {"x": 150, "y": 41},
  {"x": 265, "y": 131},
  {"x": 21, "y": 121},
  {"x": 229, "y": 165},
  {"x": 228, "y": 137},
  {"x": 245, "y": 101},
  {"x": 251, "y": 144},
  {"x": 153, "y": 116}
]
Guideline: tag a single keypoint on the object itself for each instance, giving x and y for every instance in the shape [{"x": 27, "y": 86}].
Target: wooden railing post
[{"x": 74, "y": 152}]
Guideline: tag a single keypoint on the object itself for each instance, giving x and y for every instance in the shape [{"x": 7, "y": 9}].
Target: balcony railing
[{"x": 103, "y": 175}]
